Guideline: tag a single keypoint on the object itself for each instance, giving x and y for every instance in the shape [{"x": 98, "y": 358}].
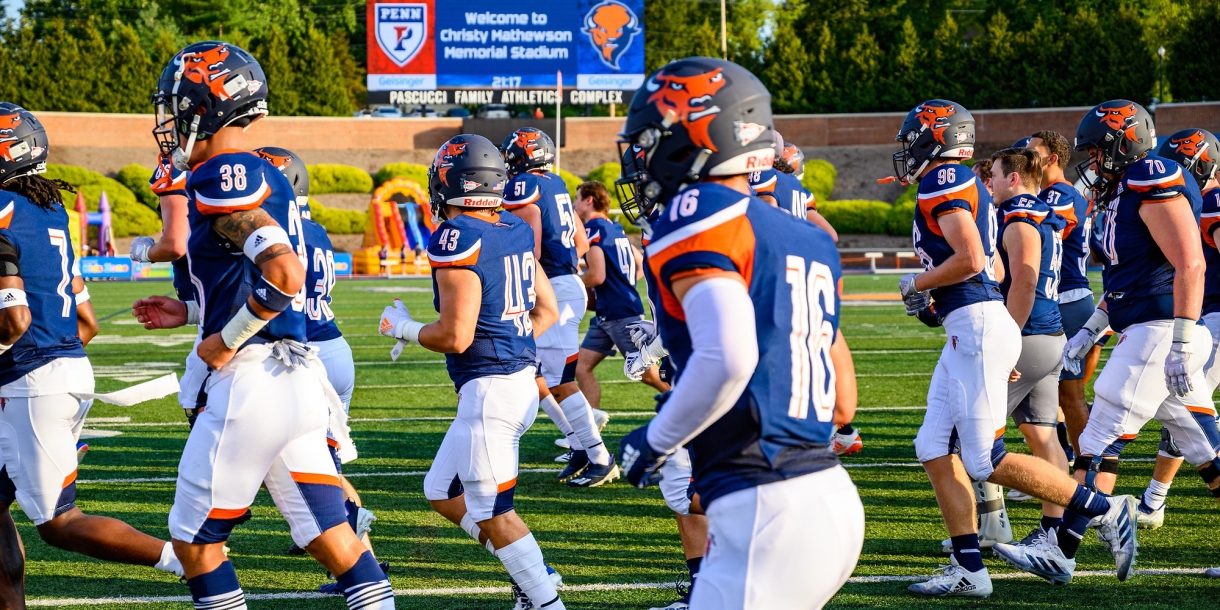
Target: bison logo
[
  {"x": 792, "y": 156},
  {"x": 207, "y": 68},
  {"x": 527, "y": 141},
  {"x": 1120, "y": 118},
  {"x": 1192, "y": 146},
  {"x": 444, "y": 159},
  {"x": 689, "y": 98},
  {"x": 278, "y": 161},
  {"x": 9, "y": 122},
  {"x": 611, "y": 27},
  {"x": 935, "y": 118}
]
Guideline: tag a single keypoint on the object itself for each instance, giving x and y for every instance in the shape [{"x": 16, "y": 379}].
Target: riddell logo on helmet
[
  {"x": 1192, "y": 145},
  {"x": 1121, "y": 117},
  {"x": 935, "y": 118},
  {"x": 479, "y": 202},
  {"x": 207, "y": 68},
  {"x": 688, "y": 97},
  {"x": 444, "y": 159}
]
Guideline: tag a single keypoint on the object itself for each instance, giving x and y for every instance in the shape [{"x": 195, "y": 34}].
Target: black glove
[{"x": 641, "y": 464}]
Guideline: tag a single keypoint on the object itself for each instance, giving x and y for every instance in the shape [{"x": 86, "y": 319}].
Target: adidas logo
[
  {"x": 10, "y": 297},
  {"x": 262, "y": 293},
  {"x": 258, "y": 240},
  {"x": 962, "y": 586},
  {"x": 385, "y": 325}
]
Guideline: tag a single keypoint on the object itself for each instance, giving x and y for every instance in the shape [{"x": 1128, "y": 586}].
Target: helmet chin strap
[{"x": 181, "y": 156}]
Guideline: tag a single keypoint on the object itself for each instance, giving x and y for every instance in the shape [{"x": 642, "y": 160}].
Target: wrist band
[
  {"x": 241, "y": 327},
  {"x": 263, "y": 238},
  {"x": 1097, "y": 322},
  {"x": 409, "y": 330},
  {"x": 1183, "y": 330},
  {"x": 13, "y": 297},
  {"x": 270, "y": 296},
  {"x": 192, "y": 312},
  {"x": 83, "y": 296}
]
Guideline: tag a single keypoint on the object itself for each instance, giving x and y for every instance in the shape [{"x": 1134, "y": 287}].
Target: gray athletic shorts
[
  {"x": 1034, "y": 398},
  {"x": 605, "y": 336},
  {"x": 1074, "y": 315}
]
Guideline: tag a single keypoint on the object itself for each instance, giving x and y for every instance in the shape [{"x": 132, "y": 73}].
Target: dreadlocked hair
[{"x": 43, "y": 192}]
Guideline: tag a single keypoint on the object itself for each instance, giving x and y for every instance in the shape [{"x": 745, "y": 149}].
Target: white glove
[
  {"x": 1177, "y": 362},
  {"x": 396, "y": 322},
  {"x": 633, "y": 366},
  {"x": 642, "y": 332},
  {"x": 140, "y": 247},
  {"x": 1078, "y": 346},
  {"x": 914, "y": 300}
]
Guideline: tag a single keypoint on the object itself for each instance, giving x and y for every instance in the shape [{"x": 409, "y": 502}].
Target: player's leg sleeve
[
  {"x": 1129, "y": 389},
  {"x": 38, "y": 443}
]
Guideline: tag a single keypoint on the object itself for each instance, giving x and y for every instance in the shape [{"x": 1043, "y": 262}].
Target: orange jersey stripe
[
  {"x": 507, "y": 485},
  {"x": 733, "y": 238},
  {"x": 226, "y": 513},
  {"x": 6, "y": 215},
  {"x": 70, "y": 479},
  {"x": 1207, "y": 224},
  {"x": 315, "y": 479},
  {"x": 1143, "y": 186},
  {"x": 229, "y": 209}
]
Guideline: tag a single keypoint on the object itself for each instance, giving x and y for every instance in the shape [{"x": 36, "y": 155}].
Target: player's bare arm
[
  {"x": 14, "y": 320},
  {"x": 86, "y": 320},
  {"x": 1173, "y": 227},
  {"x": 172, "y": 244},
  {"x": 846, "y": 393},
  {"x": 823, "y": 224},
  {"x": 1022, "y": 243},
  {"x": 533, "y": 217},
  {"x": 546, "y": 306},
  {"x": 968, "y": 258},
  {"x": 461, "y": 298},
  {"x": 595, "y": 274},
  {"x": 581, "y": 238},
  {"x": 157, "y": 312}
]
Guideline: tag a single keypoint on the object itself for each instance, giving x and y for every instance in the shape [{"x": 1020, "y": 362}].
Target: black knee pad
[
  {"x": 1211, "y": 476},
  {"x": 1167, "y": 447}
]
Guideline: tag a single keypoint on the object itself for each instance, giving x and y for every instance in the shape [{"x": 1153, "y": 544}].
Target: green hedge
[
  {"x": 335, "y": 178},
  {"x": 819, "y": 178},
  {"x": 129, "y": 216},
  {"x": 572, "y": 181},
  {"x": 338, "y": 222},
  {"x": 135, "y": 177},
  {"x": 411, "y": 171},
  {"x": 864, "y": 216}
]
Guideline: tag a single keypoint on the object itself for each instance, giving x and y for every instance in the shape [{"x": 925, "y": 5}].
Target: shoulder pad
[
  {"x": 454, "y": 246},
  {"x": 522, "y": 190},
  {"x": 944, "y": 177},
  {"x": 697, "y": 209},
  {"x": 946, "y": 184},
  {"x": 230, "y": 182},
  {"x": 1155, "y": 175},
  {"x": 167, "y": 179},
  {"x": 763, "y": 181}
]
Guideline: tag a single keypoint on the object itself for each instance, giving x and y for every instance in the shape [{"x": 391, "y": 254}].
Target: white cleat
[
  {"x": 846, "y": 444},
  {"x": 1212, "y": 572},
  {"x": 954, "y": 581},
  {"x": 563, "y": 443},
  {"x": 1016, "y": 495},
  {"x": 1150, "y": 521},
  {"x": 1042, "y": 557},
  {"x": 1117, "y": 531},
  {"x": 600, "y": 419}
]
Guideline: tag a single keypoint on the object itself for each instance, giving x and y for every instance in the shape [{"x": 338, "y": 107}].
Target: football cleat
[
  {"x": 1212, "y": 572},
  {"x": 954, "y": 581},
  {"x": 1149, "y": 520},
  {"x": 564, "y": 458},
  {"x": 576, "y": 465},
  {"x": 81, "y": 449},
  {"x": 1117, "y": 531},
  {"x": 563, "y": 443},
  {"x": 1016, "y": 495},
  {"x": 683, "y": 601},
  {"x": 332, "y": 588},
  {"x": 1041, "y": 557},
  {"x": 596, "y": 474},
  {"x": 521, "y": 601},
  {"x": 845, "y": 444},
  {"x": 295, "y": 550},
  {"x": 1029, "y": 539},
  {"x": 556, "y": 578},
  {"x": 600, "y": 418}
]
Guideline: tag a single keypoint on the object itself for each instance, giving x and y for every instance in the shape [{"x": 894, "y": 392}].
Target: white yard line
[{"x": 452, "y": 591}]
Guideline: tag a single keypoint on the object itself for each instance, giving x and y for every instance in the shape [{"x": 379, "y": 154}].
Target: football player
[
  {"x": 792, "y": 161},
  {"x": 751, "y": 323},
  {"x": 1030, "y": 245},
  {"x": 1197, "y": 151},
  {"x": 1075, "y": 295},
  {"x": 44, "y": 326},
  {"x": 266, "y": 398},
  {"x": 541, "y": 198},
  {"x": 493, "y": 300},
  {"x": 613, "y": 268},
  {"x": 954, "y": 232},
  {"x": 324, "y": 335},
  {"x": 1154, "y": 289}
]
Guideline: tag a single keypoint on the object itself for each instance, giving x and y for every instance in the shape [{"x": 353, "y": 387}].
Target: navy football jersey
[
  {"x": 952, "y": 189},
  {"x": 550, "y": 194},
  {"x": 223, "y": 278},
  {"x": 616, "y": 296},
  {"x": 46, "y": 255},
  {"x": 1139, "y": 279},
  {"x": 790, "y": 196},
  {"x": 502, "y": 255},
  {"x": 182, "y": 280},
  {"x": 1208, "y": 219},
  {"x": 1068, "y": 203},
  {"x": 781, "y": 426},
  {"x": 1044, "y": 318},
  {"x": 167, "y": 179},
  {"x": 763, "y": 180},
  {"x": 319, "y": 283}
]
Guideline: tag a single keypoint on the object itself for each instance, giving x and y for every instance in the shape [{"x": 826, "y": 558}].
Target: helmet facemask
[{"x": 906, "y": 161}]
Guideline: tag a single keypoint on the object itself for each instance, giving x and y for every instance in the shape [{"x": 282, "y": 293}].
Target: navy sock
[
  {"x": 353, "y": 513},
  {"x": 365, "y": 585},
  {"x": 966, "y": 550},
  {"x": 1071, "y": 533},
  {"x": 1089, "y": 503},
  {"x": 847, "y": 429},
  {"x": 1050, "y": 523},
  {"x": 217, "y": 589},
  {"x": 692, "y": 567}
]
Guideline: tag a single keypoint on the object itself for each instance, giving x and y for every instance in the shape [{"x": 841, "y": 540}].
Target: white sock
[
  {"x": 556, "y": 414},
  {"x": 1154, "y": 496},
  {"x": 523, "y": 560},
  {"x": 580, "y": 415},
  {"x": 472, "y": 528},
  {"x": 169, "y": 561}
]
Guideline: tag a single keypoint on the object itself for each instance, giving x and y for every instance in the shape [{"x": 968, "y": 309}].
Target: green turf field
[{"x": 616, "y": 546}]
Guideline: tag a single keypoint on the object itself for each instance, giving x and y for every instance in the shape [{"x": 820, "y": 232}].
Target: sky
[{"x": 12, "y": 6}]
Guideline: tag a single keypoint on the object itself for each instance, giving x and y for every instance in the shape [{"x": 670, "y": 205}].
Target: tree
[
  {"x": 906, "y": 72},
  {"x": 132, "y": 75},
  {"x": 787, "y": 64},
  {"x": 861, "y": 79},
  {"x": 276, "y": 60},
  {"x": 1191, "y": 65},
  {"x": 320, "y": 83}
]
